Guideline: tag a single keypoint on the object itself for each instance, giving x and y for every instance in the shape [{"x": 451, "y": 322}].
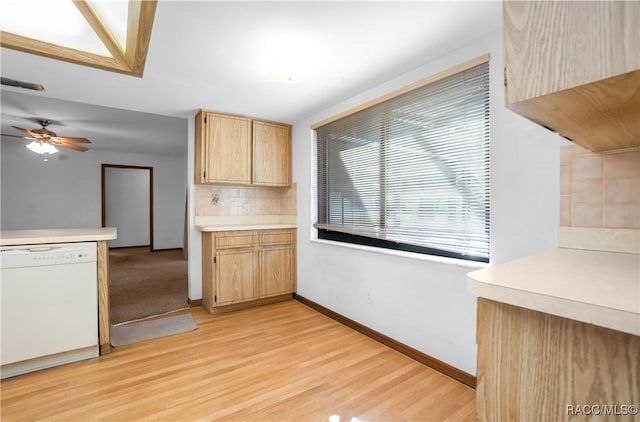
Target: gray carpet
[
  {"x": 146, "y": 330},
  {"x": 144, "y": 283}
]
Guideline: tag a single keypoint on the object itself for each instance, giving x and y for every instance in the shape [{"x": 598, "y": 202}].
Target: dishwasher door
[{"x": 49, "y": 297}]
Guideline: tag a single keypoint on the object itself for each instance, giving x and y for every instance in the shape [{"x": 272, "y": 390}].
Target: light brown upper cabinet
[
  {"x": 574, "y": 67},
  {"x": 223, "y": 148},
  {"x": 271, "y": 154},
  {"x": 242, "y": 151}
]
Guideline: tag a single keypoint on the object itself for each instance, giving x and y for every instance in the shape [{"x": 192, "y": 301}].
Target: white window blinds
[{"x": 411, "y": 172}]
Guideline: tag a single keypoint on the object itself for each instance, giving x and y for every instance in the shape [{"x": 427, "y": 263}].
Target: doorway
[
  {"x": 143, "y": 281},
  {"x": 127, "y": 204}
]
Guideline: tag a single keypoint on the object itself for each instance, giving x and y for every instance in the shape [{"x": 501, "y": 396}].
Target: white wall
[
  {"x": 126, "y": 205},
  {"x": 66, "y": 190},
  {"x": 425, "y": 304}
]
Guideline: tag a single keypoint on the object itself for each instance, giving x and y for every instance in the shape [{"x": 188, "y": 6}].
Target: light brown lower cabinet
[
  {"x": 534, "y": 366},
  {"x": 247, "y": 266}
]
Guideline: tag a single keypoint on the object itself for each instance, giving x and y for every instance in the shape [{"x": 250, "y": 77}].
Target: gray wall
[
  {"x": 65, "y": 192},
  {"x": 126, "y": 203}
]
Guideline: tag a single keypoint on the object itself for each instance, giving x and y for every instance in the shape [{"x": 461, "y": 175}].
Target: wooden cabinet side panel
[
  {"x": 556, "y": 45},
  {"x": 271, "y": 154},
  {"x": 208, "y": 271},
  {"x": 532, "y": 365},
  {"x": 200, "y": 148},
  {"x": 104, "y": 315},
  {"x": 229, "y": 149},
  {"x": 236, "y": 275}
]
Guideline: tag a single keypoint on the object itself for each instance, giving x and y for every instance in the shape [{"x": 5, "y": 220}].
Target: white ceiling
[{"x": 214, "y": 55}]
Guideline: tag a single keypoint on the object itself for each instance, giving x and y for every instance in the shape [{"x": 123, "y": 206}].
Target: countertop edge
[
  {"x": 239, "y": 227},
  {"x": 615, "y": 319},
  {"x": 45, "y": 236},
  {"x": 502, "y": 283}
]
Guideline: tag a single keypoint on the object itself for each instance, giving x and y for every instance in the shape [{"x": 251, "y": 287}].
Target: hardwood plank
[
  {"x": 282, "y": 361},
  {"x": 417, "y": 355}
]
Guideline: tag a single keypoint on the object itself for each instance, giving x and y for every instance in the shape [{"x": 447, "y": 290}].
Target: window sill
[{"x": 404, "y": 254}]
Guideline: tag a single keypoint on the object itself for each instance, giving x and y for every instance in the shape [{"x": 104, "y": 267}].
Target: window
[{"x": 411, "y": 172}]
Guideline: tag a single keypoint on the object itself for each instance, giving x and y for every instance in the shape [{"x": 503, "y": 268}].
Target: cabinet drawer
[
  {"x": 228, "y": 240},
  {"x": 277, "y": 237}
]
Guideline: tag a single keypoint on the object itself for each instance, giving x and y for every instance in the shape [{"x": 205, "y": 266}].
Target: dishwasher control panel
[{"x": 47, "y": 254}]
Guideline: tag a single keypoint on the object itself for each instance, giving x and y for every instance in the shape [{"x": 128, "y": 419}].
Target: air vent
[{"x": 21, "y": 84}]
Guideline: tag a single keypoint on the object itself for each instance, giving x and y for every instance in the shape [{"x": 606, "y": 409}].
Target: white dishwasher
[{"x": 49, "y": 299}]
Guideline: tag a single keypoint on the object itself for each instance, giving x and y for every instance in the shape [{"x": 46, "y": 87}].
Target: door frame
[{"x": 104, "y": 211}]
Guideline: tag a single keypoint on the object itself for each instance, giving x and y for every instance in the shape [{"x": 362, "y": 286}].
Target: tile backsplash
[
  {"x": 599, "y": 190},
  {"x": 223, "y": 200}
]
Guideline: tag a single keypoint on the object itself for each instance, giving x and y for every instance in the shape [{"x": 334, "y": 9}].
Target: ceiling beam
[
  {"x": 139, "y": 25},
  {"x": 102, "y": 31}
]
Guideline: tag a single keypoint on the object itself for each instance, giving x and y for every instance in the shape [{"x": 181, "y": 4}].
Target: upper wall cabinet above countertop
[
  {"x": 241, "y": 151},
  {"x": 574, "y": 67}
]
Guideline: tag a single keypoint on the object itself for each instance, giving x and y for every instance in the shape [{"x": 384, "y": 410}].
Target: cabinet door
[
  {"x": 228, "y": 149},
  {"x": 235, "y": 276},
  {"x": 271, "y": 154},
  {"x": 276, "y": 270},
  {"x": 277, "y": 262}
]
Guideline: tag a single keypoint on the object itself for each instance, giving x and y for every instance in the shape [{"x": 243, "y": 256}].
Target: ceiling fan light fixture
[{"x": 45, "y": 149}]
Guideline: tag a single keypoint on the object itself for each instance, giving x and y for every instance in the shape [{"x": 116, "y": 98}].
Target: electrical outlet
[
  {"x": 246, "y": 208},
  {"x": 369, "y": 297},
  {"x": 215, "y": 197}
]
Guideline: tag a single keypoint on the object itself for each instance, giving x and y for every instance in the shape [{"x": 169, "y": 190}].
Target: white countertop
[
  {"x": 235, "y": 227},
  {"x": 39, "y": 236},
  {"x": 244, "y": 222},
  {"x": 601, "y": 288}
]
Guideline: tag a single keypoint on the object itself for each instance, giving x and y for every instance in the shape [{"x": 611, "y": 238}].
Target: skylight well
[{"x": 108, "y": 34}]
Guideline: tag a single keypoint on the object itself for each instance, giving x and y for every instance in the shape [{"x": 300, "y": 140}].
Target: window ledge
[{"x": 404, "y": 254}]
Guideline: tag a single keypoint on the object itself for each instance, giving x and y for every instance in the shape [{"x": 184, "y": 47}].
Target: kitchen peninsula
[
  {"x": 557, "y": 329},
  {"x": 99, "y": 235}
]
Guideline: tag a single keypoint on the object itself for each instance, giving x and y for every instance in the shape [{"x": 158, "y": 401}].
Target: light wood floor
[{"x": 281, "y": 362}]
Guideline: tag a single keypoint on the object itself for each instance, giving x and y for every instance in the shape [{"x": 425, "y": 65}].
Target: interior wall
[
  {"x": 425, "y": 303},
  {"x": 66, "y": 191},
  {"x": 127, "y": 206}
]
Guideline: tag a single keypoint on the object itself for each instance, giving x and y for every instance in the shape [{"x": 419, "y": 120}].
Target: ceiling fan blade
[
  {"x": 72, "y": 139},
  {"x": 13, "y": 136},
  {"x": 71, "y": 146},
  {"x": 33, "y": 135}
]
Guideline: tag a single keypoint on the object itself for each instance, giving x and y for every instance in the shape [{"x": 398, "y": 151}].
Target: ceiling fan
[{"x": 44, "y": 141}]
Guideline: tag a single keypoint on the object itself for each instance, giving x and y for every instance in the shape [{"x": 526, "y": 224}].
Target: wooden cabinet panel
[
  {"x": 551, "y": 46},
  {"x": 276, "y": 270},
  {"x": 235, "y": 276},
  {"x": 574, "y": 67},
  {"x": 271, "y": 154},
  {"x": 222, "y": 149},
  {"x": 228, "y": 149},
  {"x": 241, "y": 151},
  {"x": 239, "y": 239},
  {"x": 277, "y": 237},
  {"x": 532, "y": 365},
  {"x": 247, "y": 265}
]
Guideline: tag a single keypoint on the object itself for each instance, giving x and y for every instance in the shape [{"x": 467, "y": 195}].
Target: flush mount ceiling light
[
  {"x": 107, "y": 34},
  {"x": 290, "y": 57}
]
